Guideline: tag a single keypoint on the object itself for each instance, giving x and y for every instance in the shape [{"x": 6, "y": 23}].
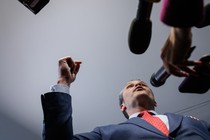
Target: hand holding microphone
[
  {"x": 159, "y": 78},
  {"x": 198, "y": 84},
  {"x": 176, "y": 51},
  {"x": 141, "y": 28},
  {"x": 181, "y": 15}
]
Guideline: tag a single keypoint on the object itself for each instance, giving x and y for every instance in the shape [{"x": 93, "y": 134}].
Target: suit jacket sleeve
[{"x": 57, "y": 112}]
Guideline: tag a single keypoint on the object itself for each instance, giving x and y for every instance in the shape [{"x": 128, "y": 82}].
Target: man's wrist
[
  {"x": 64, "y": 81},
  {"x": 60, "y": 88}
]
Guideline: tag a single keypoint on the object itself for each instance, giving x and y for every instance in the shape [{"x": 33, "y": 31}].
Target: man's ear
[
  {"x": 123, "y": 107},
  {"x": 155, "y": 103}
]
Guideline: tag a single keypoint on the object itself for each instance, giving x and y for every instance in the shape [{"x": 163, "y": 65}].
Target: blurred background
[{"x": 95, "y": 32}]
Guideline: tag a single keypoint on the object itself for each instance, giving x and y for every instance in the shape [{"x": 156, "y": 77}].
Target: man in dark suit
[{"x": 135, "y": 98}]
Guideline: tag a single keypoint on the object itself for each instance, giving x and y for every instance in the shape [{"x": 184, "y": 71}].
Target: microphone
[
  {"x": 141, "y": 27},
  {"x": 198, "y": 84},
  {"x": 181, "y": 13},
  {"x": 206, "y": 18},
  {"x": 34, "y": 6},
  {"x": 159, "y": 78}
]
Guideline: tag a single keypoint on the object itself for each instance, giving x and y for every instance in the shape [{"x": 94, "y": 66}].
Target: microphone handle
[{"x": 144, "y": 10}]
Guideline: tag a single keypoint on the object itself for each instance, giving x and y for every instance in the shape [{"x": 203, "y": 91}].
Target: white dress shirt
[{"x": 60, "y": 88}]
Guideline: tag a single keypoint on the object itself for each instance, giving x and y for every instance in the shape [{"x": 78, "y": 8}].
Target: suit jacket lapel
[
  {"x": 174, "y": 121},
  {"x": 144, "y": 125}
]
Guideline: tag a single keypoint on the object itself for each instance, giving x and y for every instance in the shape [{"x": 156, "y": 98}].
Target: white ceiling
[{"x": 95, "y": 32}]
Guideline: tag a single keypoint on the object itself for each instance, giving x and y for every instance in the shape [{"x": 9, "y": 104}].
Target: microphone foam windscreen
[{"x": 181, "y": 13}]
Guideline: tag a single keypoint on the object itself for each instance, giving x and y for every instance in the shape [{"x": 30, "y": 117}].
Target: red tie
[{"x": 155, "y": 121}]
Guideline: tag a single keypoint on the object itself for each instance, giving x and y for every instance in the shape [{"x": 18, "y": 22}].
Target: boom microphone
[
  {"x": 141, "y": 28},
  {"x": 181, "y": 13}
]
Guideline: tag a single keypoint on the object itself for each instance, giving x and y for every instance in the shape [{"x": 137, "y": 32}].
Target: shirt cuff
[{"x": 60, "y": 88}]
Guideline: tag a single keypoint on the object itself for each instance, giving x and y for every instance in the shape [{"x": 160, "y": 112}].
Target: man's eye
[
  {"x": 145, "y": 85},
  {"x": 129, "y": 86}
]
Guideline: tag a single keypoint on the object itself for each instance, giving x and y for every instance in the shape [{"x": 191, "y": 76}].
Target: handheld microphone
[
  {"x": 206, "y": 18},
  {"x": 198, "y": 84},
  {"x": 141, "y": 28},
  {"x": 159, "y": 78},
  {"x": 181, "y": 13}
]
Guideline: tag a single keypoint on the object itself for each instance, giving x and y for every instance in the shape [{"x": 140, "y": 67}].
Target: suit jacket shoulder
[{"x": 188, "y": 127}]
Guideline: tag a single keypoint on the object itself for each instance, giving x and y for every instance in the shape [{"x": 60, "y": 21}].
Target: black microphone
[
  {"x": 198, "y": 84},
  {"x": 159, "y": 78},
  {"x": 141, "y": 28},
  {"x": 34, "y": 6},
  {"x": 206, "y": 17}
]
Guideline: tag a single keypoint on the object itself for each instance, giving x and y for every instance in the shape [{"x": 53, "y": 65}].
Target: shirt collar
[{"x": 137, "y": 113}]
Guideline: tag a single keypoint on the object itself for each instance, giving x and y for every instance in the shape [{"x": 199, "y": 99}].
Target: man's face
[{"x": 137, "y": 93}]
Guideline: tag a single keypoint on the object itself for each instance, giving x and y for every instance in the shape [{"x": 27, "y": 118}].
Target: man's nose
[{"x": 138, "y": 85}]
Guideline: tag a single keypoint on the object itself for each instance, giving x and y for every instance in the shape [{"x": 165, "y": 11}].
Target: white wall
[{"x": 96, "y": 32}]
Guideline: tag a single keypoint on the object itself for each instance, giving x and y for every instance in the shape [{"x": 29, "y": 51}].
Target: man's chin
[{"x": 145, "y": 100}]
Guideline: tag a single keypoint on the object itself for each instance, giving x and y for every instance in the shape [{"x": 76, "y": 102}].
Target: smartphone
[{"x": 198, "y": 84}]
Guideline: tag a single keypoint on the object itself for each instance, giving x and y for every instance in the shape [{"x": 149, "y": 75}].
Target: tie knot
[{"x": 145, "y": 113}]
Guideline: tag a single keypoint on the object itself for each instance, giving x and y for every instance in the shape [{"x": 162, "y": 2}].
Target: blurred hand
[
  {"x": 175, "y": 53},
  {"x": 68, "y": 70}
]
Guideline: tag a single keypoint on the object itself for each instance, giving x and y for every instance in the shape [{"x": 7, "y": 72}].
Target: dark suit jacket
[{"x": 58, "y": 125}]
